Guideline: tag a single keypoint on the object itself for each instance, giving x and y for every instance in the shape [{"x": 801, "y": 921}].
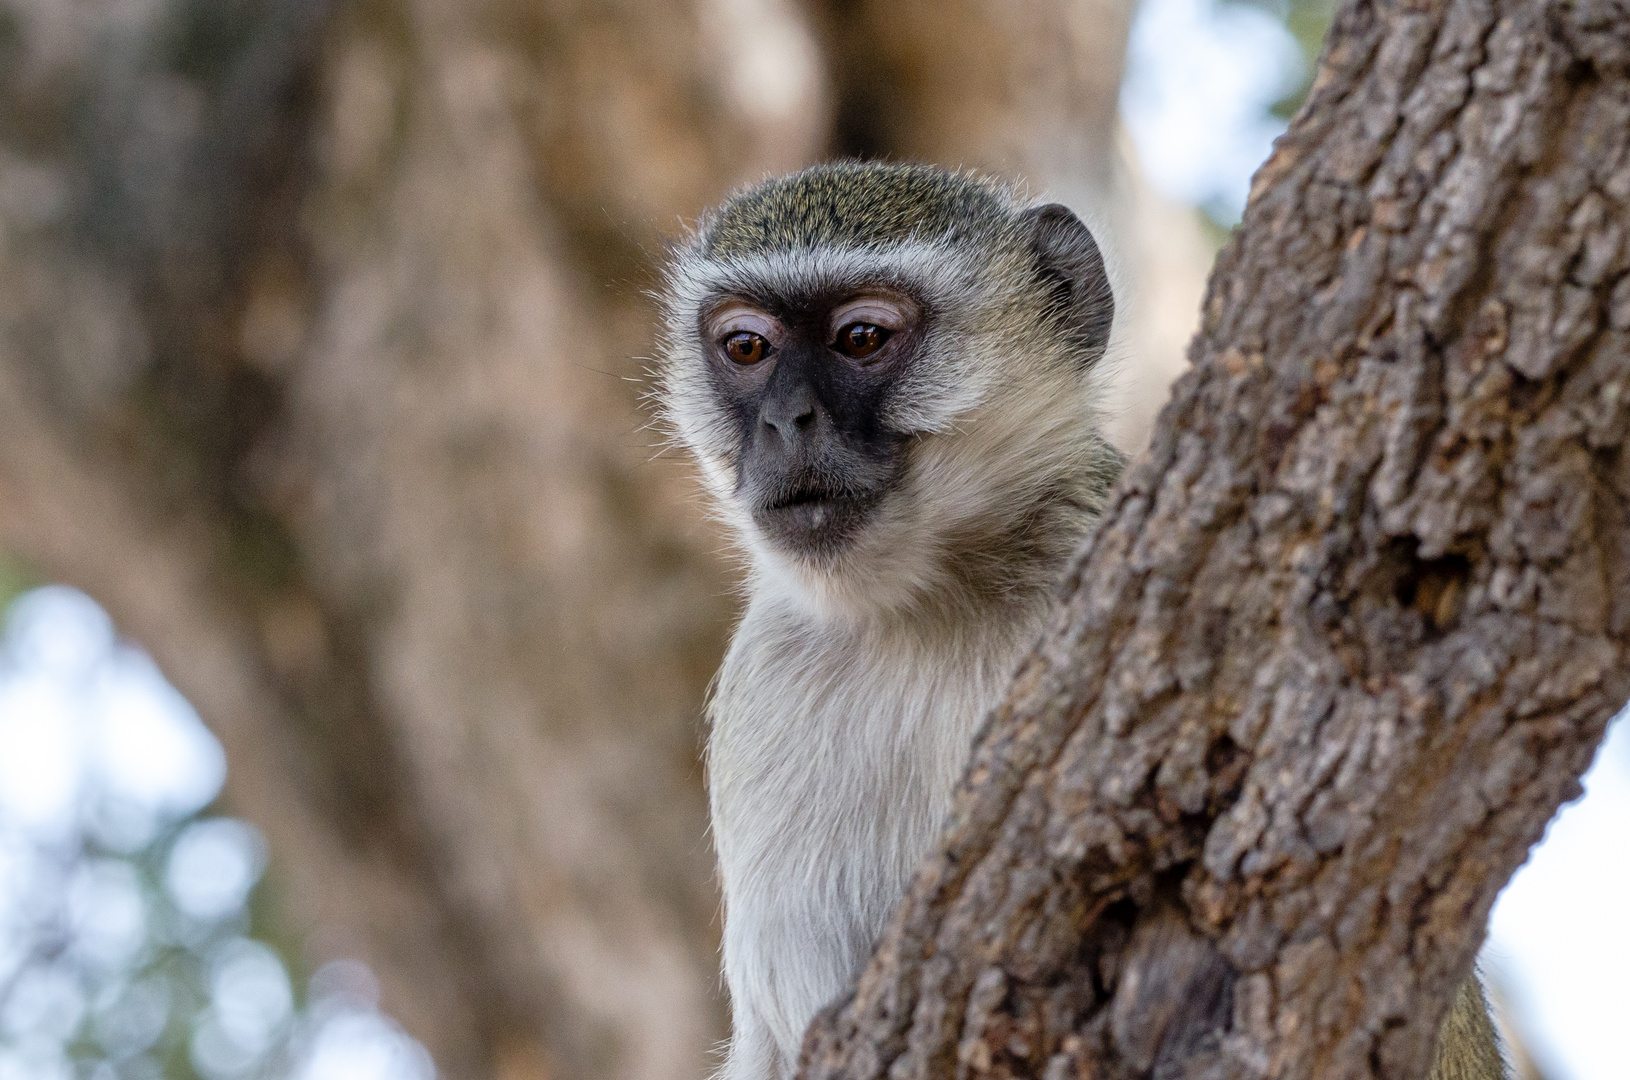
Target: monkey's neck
[{"x": 1007, "y": 565}]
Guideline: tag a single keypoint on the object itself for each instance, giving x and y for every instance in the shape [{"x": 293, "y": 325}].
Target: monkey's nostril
[{"x": 787, "y": 423}]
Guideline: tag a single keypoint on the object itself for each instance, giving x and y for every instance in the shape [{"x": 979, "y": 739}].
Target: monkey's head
[{"x": 886, "y": 372}]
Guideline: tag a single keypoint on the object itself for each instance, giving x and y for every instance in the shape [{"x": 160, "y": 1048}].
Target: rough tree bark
[
  {"x": 317, "y": 336},
  {"x": 1351, "y": 629}
]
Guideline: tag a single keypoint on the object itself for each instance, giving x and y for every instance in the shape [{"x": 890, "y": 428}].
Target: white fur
[
  {"x": 832, "y": 758},
  {"x": 845, "y": 709}
]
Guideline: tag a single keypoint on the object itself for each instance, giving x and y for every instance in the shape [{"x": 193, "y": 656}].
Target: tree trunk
[
  {"x": 317, "y": 338},
  {"x": 1349, "y": 631}
]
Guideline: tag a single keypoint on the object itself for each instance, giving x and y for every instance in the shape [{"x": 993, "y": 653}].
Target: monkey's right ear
[{"x": 1068, "y": 259}]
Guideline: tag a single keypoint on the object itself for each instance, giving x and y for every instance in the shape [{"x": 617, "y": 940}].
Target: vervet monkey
[{"x": 889, "y": 376}]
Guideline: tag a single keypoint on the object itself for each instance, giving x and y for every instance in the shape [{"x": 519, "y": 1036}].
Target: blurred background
[{"x": 355, "y": 629}]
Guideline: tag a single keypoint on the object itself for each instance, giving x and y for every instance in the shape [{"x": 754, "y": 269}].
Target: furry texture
[
  {"x": 846, "y": 707},
  {"x": 1468, "y": 1048},
  {"x": 855, "y": 204}
]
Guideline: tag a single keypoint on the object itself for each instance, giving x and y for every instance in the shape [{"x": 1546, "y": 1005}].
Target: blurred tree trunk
[
  {"x": 318, "y": 327},
  {"x": 1350, "y": 631}
]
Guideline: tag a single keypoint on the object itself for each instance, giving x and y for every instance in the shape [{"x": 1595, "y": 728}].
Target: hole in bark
[
  {"x": 1433, "y": 587},
  {"x": 1221, "y": 753},
  {"x": 1226, "y": 764},
  {"x": 1528, "y": 396},
  {"x": 1109, "y": 937},
  {"x": 1401, "y": 602}
]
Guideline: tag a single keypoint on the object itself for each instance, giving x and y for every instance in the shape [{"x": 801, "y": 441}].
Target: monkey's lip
[
  {"x": 808, "y": 516},
  {"x": 802, "y": 497}
]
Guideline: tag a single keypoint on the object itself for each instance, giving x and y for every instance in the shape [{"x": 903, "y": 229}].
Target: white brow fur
[{"x": 845, "y": 709}]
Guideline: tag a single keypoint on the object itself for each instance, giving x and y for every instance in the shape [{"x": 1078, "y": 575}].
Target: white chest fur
[{"x": 831, "y": 761}]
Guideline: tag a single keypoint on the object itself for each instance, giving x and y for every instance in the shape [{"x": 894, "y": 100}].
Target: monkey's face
[
  {"x": 886, "y": 421},
  {"x": 868, "y": 418},
  {"x": 806, "y": 381}
]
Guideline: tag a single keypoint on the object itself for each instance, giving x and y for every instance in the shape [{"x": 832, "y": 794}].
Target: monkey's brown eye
[
  {"x": 746, "y": 348},
  {"x": 859, "y": 340}
]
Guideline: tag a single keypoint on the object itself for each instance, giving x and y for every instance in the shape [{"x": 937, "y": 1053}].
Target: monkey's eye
[
  {"x": 859, "y": 340},
  {"x": 746, "y": 348}
]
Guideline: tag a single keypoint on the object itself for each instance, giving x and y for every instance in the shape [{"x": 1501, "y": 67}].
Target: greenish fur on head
[{"x": 855, "y": 204}]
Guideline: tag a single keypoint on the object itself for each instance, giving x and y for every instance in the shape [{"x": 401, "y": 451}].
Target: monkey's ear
[{"x": 1068, "y": 259}]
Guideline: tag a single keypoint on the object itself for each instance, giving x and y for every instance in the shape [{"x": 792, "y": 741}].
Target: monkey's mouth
[
  {"x": 816, "y": 509},
  {"x": 802, "y": 497},
  {"x": 810, "y": 518},
  {"x": 808, "y": 510}
]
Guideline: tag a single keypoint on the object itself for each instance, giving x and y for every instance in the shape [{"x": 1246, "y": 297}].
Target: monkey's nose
[
  {"x": 802, "y": 421},
  {"x": 787, "y": 413}
]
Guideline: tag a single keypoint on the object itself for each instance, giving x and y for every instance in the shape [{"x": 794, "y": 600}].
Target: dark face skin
[{"x": 806, "y": 383}]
